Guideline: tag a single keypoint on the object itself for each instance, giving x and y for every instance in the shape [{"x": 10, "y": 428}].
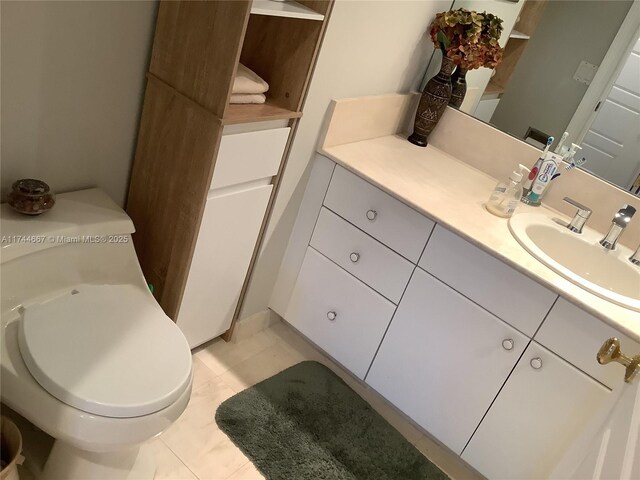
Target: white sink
[{"x": 580, "y": 258}]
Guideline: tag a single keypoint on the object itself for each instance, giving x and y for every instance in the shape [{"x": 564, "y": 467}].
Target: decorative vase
[
  {"x": 433, "y": 102},
  {"x": 458, "y": 87}
]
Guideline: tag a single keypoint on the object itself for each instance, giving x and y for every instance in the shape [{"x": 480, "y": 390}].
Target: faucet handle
[
  {"x": 581, "y": 216},
  {"x": 624, "y": 215},
  {"x": 635, "y": 258}
]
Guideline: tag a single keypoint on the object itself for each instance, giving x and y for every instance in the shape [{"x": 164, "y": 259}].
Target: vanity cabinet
[
  {"x": 539, "y": 412},
  {"x": 494, "y": 365},
  {"x": 444, "y": 359}
]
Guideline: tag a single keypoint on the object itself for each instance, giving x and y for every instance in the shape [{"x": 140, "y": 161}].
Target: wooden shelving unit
[
  {"x": 522, "y": 31},
  {"x": 197, "y": 47}
]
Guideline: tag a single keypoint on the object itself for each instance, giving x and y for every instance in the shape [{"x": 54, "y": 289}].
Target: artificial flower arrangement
[{"x": 468, "y": 38}]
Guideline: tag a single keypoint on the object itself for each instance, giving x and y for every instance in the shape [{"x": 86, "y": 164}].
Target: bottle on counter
[{"x": 506, "y": 195}]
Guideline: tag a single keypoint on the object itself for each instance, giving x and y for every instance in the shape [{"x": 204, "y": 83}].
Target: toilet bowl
[{"x": 87, "y": 355}]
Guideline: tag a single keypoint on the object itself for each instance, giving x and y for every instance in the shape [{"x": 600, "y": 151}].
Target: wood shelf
[
  {"x": 494, "y": 88},
  {"x": 248, "y": 113},
  {"x": 519, "y": 35},
  {"x": 288, "y": 9}
]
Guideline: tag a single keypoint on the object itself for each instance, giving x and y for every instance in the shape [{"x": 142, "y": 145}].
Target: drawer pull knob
[
  {"x": 536, "y": 363},
  {"x": 354, "y": 257},
  {"x": 332, "y": 315},
  {"x": 371, "y": 215},
  {"x": 507, "y": 344}
]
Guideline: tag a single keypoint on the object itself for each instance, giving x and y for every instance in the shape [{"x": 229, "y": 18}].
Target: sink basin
[{"x": 580, "y": 258}]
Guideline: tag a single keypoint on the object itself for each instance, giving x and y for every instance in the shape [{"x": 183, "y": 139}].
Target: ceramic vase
[
  {"x": 433, "y": 102},
  {"x": 458, "y": 87}
]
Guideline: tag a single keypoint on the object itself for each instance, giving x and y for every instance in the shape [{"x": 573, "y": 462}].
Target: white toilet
[{"x": 87, "y": 354}]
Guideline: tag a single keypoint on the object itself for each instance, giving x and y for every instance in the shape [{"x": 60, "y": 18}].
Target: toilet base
[{"x": 71, "y": 463}]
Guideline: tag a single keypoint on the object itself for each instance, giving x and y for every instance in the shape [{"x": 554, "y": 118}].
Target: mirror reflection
[{"x": 569, "y": 66}]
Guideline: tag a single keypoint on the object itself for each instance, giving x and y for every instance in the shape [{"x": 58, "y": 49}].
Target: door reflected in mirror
[{"x": 568, "y": 66}]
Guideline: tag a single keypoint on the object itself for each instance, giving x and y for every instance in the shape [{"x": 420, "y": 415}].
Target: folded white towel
[
  {"x": 247, "y": 98},
  {"x": 247, "y": 81}
]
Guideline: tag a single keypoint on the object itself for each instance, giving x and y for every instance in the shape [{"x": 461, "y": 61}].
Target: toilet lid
[{"x": 108, "y": 350}]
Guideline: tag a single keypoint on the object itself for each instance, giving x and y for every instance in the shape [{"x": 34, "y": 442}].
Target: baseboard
[{"x": 253, "y": 324}]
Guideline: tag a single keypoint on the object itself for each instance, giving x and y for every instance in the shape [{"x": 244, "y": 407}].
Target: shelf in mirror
[
  {"x": 290, "y": 9},
  {"x": 493, "y": 88},
  {"x": 519, "y": 35}
]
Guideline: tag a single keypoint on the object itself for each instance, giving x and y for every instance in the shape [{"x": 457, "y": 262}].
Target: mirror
[{"x": 568, "y": 66}]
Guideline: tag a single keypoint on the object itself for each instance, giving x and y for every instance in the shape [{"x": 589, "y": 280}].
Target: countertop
[{"x": 453, "y": 194}]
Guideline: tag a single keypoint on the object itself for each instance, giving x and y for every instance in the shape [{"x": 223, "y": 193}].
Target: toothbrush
[
  {"x": 550, "y": 140},
  {"x": 576, "y": 163},
  {"x": 573, "y": 164},
  {"x": 561, "y": 142}
]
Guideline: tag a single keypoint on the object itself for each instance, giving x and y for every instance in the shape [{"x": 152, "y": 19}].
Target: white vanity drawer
[
  {"x": 244, "y": 157},
  {"x": 577, "y": 336},
  {"x": 505, "y": 292},
  {"x": 392, "y": 222},
  {"x": 338, "y": 313},
  {"x": 361, "y": 255}
]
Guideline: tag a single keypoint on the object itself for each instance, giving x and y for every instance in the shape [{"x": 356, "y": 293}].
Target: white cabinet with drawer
[
  {"x": 380, "y": 215},
  {"x": 338, "y": 313},
  {"x": 505, "y": 292},
  {"x": 233, "y": 215},
  {"x": 444, "y": 359},
  {"x": 458, "y": 356},
  {"x": 542, "y": 408},
  {"x": 376, "y": 265}
]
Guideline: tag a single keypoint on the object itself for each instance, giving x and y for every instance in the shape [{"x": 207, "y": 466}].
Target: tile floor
[{"x": 194, "y": 448}]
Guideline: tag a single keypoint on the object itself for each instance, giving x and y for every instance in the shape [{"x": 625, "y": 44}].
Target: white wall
[
  {"x": 72, "y": 88},
  {"x": 370, "y": 48}
]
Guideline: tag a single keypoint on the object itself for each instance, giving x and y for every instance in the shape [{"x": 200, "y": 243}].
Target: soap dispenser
[{"x": 506, "y": 195}]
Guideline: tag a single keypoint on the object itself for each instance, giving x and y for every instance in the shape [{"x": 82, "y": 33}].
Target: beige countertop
[{"x": 453, "y": 194}]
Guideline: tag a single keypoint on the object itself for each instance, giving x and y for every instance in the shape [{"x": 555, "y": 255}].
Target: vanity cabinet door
[
  {"x": 338, "y": 312},
  {"x": 444, "y": 359},
  {"x": 507, "y": 293},
  {"x": 539, "y": 412}
]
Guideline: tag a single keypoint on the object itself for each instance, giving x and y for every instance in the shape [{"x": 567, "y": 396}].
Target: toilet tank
[{"x": 84, "y": 238}]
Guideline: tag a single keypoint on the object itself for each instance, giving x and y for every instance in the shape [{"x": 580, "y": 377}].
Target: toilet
[{"x": 87, "y": 354}]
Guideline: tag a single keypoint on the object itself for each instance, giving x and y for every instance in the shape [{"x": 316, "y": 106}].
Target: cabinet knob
[
  {"x": 610, "y": 352},
  {"x": 536, "y": 363},
  {"x": 354, "y": 257},
  {"x": 507, "y": 344},
  {"x": 332, "y": 315},
  {"x": 371, "y": 215}
]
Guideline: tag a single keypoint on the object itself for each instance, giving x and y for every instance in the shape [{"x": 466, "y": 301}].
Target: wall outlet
[{"x": 585, "y": 72}]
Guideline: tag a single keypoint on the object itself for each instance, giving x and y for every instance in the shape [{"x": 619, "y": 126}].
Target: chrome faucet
[
  {"x": 618, "y": 224},
  {"x": 635, "y": 258},
  {"x": 581, "y": 216}
]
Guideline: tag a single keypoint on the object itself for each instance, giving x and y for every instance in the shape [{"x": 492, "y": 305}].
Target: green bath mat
[{"x": 305, "y": 423}]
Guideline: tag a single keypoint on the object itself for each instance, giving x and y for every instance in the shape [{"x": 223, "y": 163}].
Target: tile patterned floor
[{"x": 195, "y": 449}]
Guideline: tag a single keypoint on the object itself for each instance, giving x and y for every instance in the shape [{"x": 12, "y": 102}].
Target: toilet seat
[{"x": 107, "y": 350}]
